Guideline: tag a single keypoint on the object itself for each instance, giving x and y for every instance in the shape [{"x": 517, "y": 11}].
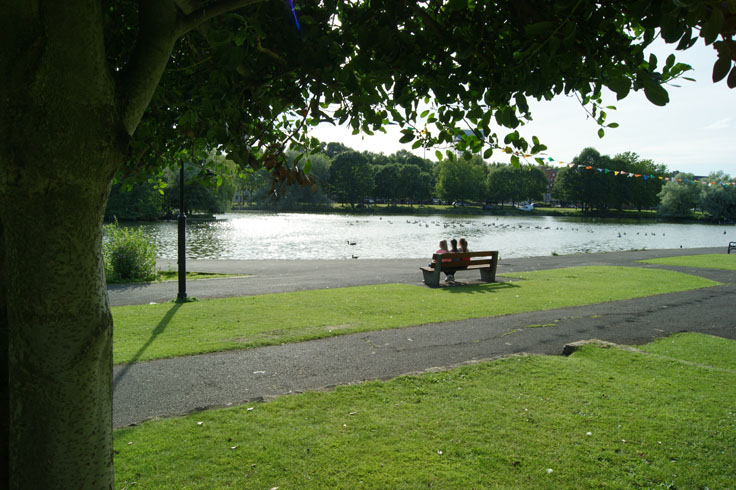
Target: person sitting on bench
[
  {"x": 442, "y": 250},
  {"x": 464, "y": 248}
]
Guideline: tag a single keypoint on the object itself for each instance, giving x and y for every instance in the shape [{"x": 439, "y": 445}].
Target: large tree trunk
[
  {"x": 53, "y": 293},
  {"x": 60, "y": 336},
  {"x": 4, "y": 397},
  {"x": 62, "y": 140}
]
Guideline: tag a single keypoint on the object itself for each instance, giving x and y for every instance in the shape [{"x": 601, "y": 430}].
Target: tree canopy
[{"x": 91, "y": 89}]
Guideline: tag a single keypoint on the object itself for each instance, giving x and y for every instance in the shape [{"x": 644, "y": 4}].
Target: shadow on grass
[
  {"x": 489, "y": 287},
  {"x": 156, "y": 332}
]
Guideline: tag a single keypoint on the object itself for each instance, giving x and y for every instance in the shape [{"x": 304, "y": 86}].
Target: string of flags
[{"x": 552, "y": 161}]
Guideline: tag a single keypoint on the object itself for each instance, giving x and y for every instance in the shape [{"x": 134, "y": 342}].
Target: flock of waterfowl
[{"x": 502, "y": 226}]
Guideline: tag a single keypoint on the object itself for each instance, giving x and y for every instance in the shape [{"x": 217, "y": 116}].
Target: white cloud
[{"x": 724, "y": 123}]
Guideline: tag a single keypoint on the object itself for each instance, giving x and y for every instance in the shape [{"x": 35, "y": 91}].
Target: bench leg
[
  {"x": 489, "y": 274},
  {"x": 432, "y": 278}
]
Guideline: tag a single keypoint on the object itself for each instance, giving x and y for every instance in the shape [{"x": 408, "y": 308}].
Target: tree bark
[
  {"x": 4, "y": 408},
  {"x": 60, "y": 338},
  {"x": 62, "y": 141}
]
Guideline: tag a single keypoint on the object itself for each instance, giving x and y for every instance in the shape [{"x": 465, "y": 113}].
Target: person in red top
[{"x": 443, "y": 250}]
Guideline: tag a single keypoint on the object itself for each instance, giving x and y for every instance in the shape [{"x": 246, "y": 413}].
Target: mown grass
[
  {"x": 705, "y": 261},
  {"x": 699, "y": 349},
  {"x": 602, "y": 418},
  {"x": 146, "y": 332}
]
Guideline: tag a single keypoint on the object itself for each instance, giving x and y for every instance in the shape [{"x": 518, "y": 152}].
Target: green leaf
[
  {"x": 670, "y": 61},
  {"x": 511, "y": 137},
  {"x": 515, "y": 161},
  {"x": 438, "y": 154},
  {"x": 713, "y": 25},
  {"x": 601, "y": 133},
  {"x": 521, "y": 102},
  {"x": 240, "y": 37},
  {"x": 620, "y": 85},
  {"x": 652, "y": 62},
  {"x": 612, "y": 125},
  {"x": 408, "y": 136},
  {"x": 308, "y": 166},
  {"x": 721, "y": 68},
  {"x": 656, "y": 94},
  {"x": 488, "y": 153}
]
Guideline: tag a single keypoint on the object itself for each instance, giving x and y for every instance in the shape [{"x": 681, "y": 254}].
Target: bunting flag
[{"x": 547, "y": 160}]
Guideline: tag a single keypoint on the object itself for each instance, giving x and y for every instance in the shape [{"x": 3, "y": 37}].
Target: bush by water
[{"x": 129, "y": 256}]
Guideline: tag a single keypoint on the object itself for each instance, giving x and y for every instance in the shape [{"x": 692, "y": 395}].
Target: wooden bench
[
  {"x": 731, "y": 246},
  {"x": 485, "y": 262}
]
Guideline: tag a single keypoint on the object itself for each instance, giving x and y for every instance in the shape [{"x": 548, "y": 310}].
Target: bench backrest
[{"x": 455, "y": 258}]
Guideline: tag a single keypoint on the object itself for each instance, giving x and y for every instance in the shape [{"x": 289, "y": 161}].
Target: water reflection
[{"x": 311, "y": 236}]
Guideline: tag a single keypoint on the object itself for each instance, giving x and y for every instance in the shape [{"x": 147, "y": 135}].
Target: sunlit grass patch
[
  {"x": 697, "y": 348},
  {"x": 145, "y": 332},
  {"x": 705, "y": 261},
  {"x": 602, "y": 418}
]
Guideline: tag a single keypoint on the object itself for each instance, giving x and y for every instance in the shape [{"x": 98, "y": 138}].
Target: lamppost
[{"x": 182, "y": 257}]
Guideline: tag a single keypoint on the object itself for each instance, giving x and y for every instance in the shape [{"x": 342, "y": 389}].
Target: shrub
[{"x": 129, "y": 256}]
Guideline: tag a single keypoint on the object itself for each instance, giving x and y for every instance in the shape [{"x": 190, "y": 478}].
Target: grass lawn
[
  {"x": 705, "y": 261},
  {"x": 602, "y": 418},
  {"x": 146, "y": 332}
]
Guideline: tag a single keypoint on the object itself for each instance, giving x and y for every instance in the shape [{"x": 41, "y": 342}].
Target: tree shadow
[
  {"x": 156, "y": 332},
  {"x": 478, "y": 288},
  {"x": 128, "y": 286}
]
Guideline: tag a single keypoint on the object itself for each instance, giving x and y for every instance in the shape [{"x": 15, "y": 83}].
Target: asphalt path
[{"x": 179, "y": 386}]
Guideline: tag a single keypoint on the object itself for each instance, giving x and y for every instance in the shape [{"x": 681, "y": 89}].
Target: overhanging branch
[{"x": 158, "y": 21}]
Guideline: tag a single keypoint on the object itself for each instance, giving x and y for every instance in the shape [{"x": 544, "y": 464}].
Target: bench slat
[{"x": 462, "y": 263}]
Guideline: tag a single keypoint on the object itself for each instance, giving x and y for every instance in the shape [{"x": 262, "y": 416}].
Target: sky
[{"x": 695, "y": 132}]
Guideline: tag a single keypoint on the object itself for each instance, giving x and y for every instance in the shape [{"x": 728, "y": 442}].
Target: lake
[{"x": 261, "y": 235}]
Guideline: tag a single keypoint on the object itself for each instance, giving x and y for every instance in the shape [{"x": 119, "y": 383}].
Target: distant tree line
[
  {"x": 601, "y": 183},
  {"x": 609, "y": 183},
  {"x": 595, "y": 183}
]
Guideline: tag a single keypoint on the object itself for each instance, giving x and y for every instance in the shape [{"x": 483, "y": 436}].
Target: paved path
[{"x": 178, "y": 386}]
